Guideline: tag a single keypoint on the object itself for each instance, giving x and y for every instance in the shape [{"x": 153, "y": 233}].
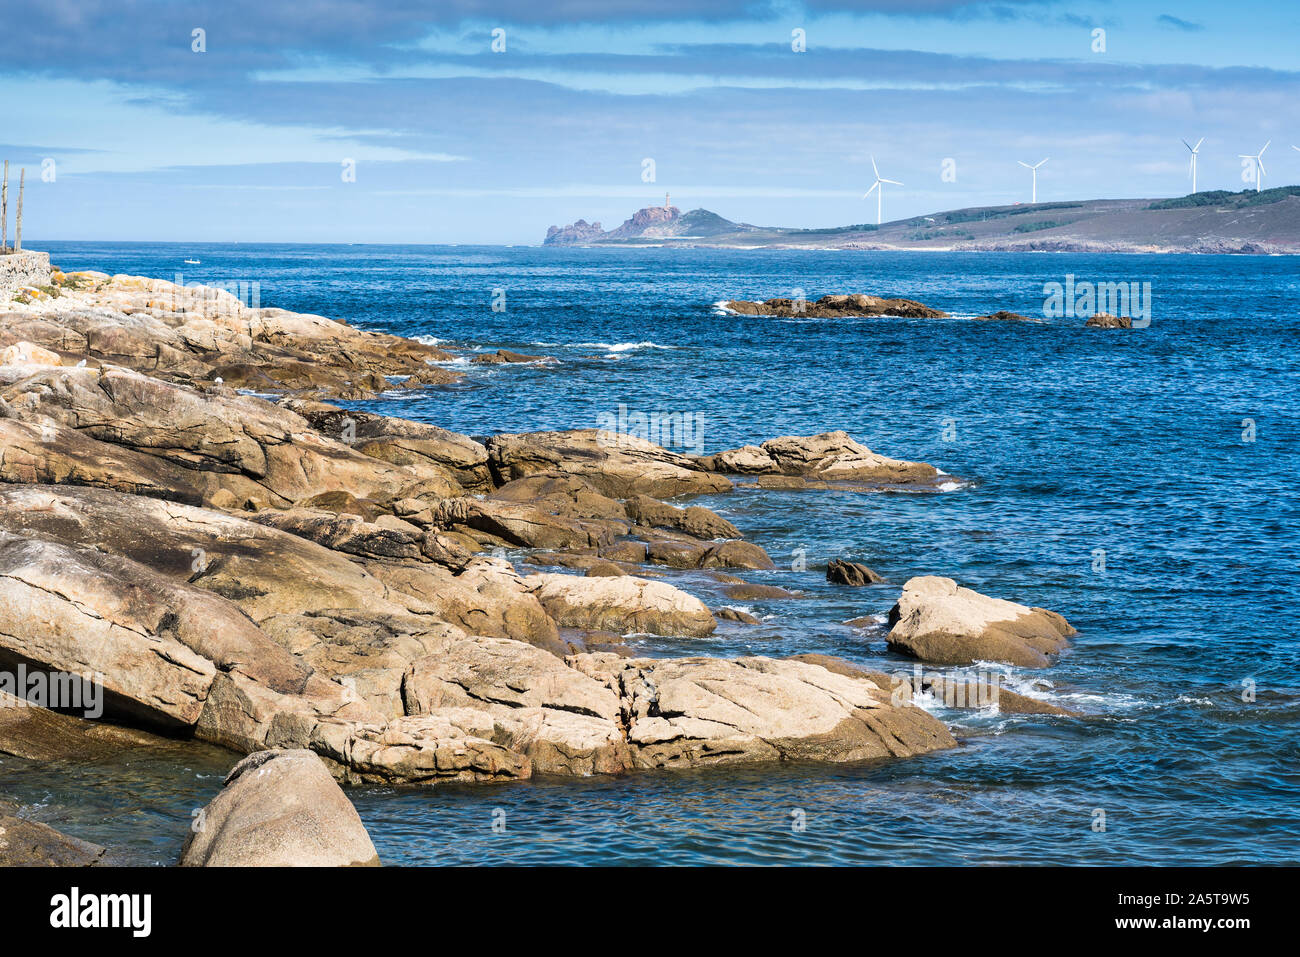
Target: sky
[{"x": 460, "y": 121}]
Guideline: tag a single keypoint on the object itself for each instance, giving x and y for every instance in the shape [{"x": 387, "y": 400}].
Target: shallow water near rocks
[{"x": 1062, "y": 442}]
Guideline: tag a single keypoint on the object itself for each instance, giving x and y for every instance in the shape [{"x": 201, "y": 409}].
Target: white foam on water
[
  {"x": 429, "y": 340},
  {"x": 607, "y": 346}
]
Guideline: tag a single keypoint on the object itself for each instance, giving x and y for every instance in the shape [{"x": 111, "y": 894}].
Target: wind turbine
[
  {"x": 880, "y": 190},
  {"x": 1034, "y": 170},
  {"x": 1193, "y": 150},
  {"x": 1259, "y": 166}
]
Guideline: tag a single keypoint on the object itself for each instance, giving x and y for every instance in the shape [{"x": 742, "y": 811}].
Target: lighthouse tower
[{"x": 667, "y": 205}]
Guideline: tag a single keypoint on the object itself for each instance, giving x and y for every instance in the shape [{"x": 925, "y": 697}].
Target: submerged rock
[
  {"x": 506, "y": 356},
  {"x": 1003, "y": 315},
  {"x": 937, "y": 620},
  {"x": 279, "y": 809},
  {"x": 841, "y": 572}
]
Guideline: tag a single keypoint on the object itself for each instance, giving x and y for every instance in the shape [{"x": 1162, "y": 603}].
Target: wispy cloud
[{"x": 1187, "y": 26}]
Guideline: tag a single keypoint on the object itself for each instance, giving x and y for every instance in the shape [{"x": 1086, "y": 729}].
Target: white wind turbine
[
  {"x": 878, "y": 189},
  {"x": 1259, "y": 166},
  {"x": 1193, "y": 150},
  {"x": 1034, "y": 170}
]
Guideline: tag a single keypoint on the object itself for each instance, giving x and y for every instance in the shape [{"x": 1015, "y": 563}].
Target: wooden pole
[
  {"x": 4, "y": 208},
  {"x": 18, "y": 222}
]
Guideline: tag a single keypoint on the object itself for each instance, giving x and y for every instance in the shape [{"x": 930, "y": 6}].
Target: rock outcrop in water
[
  {"x": 842, "y": 572},
  {"x": 832, "y": 457},
  {"x": 297, "y": 576},
  {"x": 835, "y": 307},
  {"x": 938, "y": 621},
  {"x": 1104, "y": 320}
]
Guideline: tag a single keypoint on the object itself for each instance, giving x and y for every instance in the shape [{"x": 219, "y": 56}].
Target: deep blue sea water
[{"x": 1073, "y": 446}]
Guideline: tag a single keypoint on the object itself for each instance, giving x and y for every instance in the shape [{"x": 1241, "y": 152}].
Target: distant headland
[{"x": 1216, "y": 221}]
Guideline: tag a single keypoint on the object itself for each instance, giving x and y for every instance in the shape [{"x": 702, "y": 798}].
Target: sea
[{"x": 1140, "y": 482}]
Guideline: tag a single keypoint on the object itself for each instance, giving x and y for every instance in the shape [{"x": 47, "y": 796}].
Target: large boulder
[
  {"x": 279, "y": 809},
  {"x": 622, "y": 604},
  {"x": 937, "y": 620},
  {"x": 828, "y": 457},
  {"x": 23, "y": 353},
  {"x": 617, "y": 465}
]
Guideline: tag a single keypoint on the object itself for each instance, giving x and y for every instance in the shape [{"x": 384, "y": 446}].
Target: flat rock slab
[
  {"x": 27, "y": 843},
  {"x": 688, "y": 712},
  {"x": 618, "y": 465}
]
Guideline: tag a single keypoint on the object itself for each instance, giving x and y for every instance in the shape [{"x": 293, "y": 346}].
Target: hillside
[{"x": 1208, "y": 222}]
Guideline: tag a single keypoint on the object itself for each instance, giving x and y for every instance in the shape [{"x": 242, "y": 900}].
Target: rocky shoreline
[{"x": 185, "y": 517}]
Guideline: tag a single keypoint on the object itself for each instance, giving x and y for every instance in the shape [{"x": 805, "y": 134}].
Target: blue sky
[{"x": 454, "y": 142}]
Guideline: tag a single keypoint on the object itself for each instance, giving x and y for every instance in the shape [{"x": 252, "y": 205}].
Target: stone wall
[{"x": 22, "y": 269}]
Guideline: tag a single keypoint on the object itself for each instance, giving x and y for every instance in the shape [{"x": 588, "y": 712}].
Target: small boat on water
[{"x": 191, "y": 262}]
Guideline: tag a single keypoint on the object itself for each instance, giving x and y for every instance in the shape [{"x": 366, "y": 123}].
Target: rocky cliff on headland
[
  {"x": 573, "y": 234},
  {"x": 1214, "y": 222},
  {"x": 652, "y": 224}
]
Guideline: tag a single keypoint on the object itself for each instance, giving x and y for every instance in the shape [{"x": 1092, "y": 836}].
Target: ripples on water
[{"x": 1071, "y": 441}]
